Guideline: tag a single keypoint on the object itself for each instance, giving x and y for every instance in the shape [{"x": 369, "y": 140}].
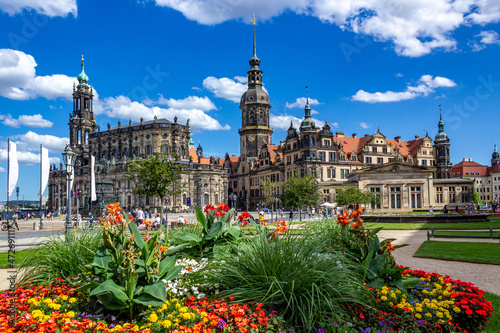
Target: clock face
[{"x": 251, "y": 138}]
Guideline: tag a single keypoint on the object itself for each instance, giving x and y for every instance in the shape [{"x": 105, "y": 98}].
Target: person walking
[
  {"x": 14, "y": 217},
  {"x": 140, "y": 216},
  {"x": 91, "y": 220},
  {"x": 291, "y": 214}
]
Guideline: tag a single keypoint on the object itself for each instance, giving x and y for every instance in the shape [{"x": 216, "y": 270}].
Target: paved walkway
[{"x": 484, "y": 276}]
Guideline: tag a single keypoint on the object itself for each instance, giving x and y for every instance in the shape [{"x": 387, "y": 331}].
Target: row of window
[{"x": 458, "y": 174}]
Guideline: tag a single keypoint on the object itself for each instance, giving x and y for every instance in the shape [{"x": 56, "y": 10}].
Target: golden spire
[{"x": 253, "y": 20}]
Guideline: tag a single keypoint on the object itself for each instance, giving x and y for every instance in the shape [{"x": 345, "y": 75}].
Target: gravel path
[{"x": 484, "y": 276}]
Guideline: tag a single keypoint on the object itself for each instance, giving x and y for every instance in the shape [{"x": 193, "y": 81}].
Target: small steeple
[
  {"x": 441, "y": 122},
  {"x": 495, "y": 157},
  {"x": 307, "y": 123},
  {"x": 82, "y": 77},
  {"x": 254, "y": 61}
]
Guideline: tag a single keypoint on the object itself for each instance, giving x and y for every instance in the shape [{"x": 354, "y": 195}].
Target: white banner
[
  {"x": 13, "y": 167},
  {"x": 92, "y": 178},
  {"x": 45, "y": 170}
]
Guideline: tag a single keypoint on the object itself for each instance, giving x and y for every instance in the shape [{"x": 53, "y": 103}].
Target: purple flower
[
  {"x": 320, "y": 330},
  {"x": 222, "y": 323}
]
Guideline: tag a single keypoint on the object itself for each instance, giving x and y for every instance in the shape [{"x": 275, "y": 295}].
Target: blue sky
[{"x": 386, "y": 64}]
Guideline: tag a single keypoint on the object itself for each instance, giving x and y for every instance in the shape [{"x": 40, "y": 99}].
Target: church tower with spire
[
  {"x": 495, "y": 157},
  {"x": 442, "y": 148},
  {"x": 254, "y": 104},
  {"x": 82, "y": 121}
]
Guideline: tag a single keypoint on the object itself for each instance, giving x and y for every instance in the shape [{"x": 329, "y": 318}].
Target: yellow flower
[
  {"x": 456, "y": 309},
  {"x": 418, "y": 316},
  {"x": 383, "y": 298},
  {"x": 186, "y": 316},
  {"x": 183, "y": 309},
  {"x": 37, "y": 313},
  {"x": 64, "y": 297},
  {"x": 71, "y": 314},
  {"x": 72, "y": 300},
  {"x": 439, "y": 315},
  {"x": 166, "y": 323},
  {"x": 428, "y": 315},
  {"x": 418, "y": 309},
  {"x": 47, "y": 301},
  {"x": 153, "y": 317}
]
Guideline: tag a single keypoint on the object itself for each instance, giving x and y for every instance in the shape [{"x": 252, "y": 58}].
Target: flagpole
[
  {"x": 41, "y": 172},
  {"x": 8, "y": 177}
]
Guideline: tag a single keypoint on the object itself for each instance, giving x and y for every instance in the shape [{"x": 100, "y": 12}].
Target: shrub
[
  {"x": 298, "y": 279},
  {"x": 56, "y": 258}
]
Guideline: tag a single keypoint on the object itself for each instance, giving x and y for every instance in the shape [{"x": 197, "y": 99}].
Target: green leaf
[
  {"x": 111, "y": 302},
  {"x": 166, "y": 264},
  {"x": 102, "y": 257},
  {"x": 225, "y": 217},
  {"x": 156, "y": 290},
  {"x": 215, "y": 230},
  {"x": 189, "y": 237},
  {"x": 131, "y": 284},
  {"x": 138, "y": 239},
  {"x": 234, "y": 232},
  {"x": 111, "y": 295},
  {"x": 172, "y": 273},
  {"x": 201, "y": 218},
  {"x": 411, "y": 282},
  {"x": 176, "y": 249},
  {"x": 146, "y": 300}
]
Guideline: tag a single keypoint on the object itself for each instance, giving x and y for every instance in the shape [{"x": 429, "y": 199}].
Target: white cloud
[
  {"x": 487, "y": 38},
  {"x": 414, "y": 27},
  {"x": 46, "y": 7},
  {"x": 190, "y": 102},
  {"x": 301, "y": 103},
  {"x": 426, "y": 86},
  {"x": 26, "y": 120},
  {"x": 364, "y": 125},
  {"x": 398, "y": 75},
  {"x": 2, "y": 169},
  {"x": 122, "y": 107},
  {"x": 31, "y": 141},
  {"x": 26, "y": 157},
  {"x": 225, "y": 87},
  {"x": 18, "y": 79},
  {"x": 283, "y": 121}
]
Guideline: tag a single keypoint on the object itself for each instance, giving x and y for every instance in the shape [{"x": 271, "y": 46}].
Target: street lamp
[
  {"x": 69, "y": 158},
  {"x": 276, "y": 200},
  {"x": 234, "y": 200},
  {"x": 247, "y": 200}
]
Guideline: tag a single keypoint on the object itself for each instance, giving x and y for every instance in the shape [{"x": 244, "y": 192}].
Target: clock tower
[{"x": 254, "y": 105}]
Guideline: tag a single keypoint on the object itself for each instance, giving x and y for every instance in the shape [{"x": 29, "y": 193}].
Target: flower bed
[{"x": 146, "y": 292}]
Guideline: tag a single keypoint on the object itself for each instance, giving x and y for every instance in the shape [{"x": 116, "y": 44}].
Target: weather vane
[{"x": 253, "y": 20}]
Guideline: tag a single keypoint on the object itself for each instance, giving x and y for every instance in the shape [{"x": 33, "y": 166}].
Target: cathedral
[
  {"x": 205, "y": 179},
  {"x": 406, "y": 174}
]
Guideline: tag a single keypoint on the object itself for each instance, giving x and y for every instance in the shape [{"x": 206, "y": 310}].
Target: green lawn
[
  {"x": 487, "y": 253},
  {"x": 436, "y": 226},
  {"x": 465, "y": 233},
  {"x": 20, "y": 255},
  {"x": 494, "y": 323}
]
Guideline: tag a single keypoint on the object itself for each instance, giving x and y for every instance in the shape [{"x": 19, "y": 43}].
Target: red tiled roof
[{"x": 470, "y": 168}]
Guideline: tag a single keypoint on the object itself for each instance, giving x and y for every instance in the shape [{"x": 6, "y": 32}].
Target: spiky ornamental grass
[
  {"x": 296, "y": 277},
  {"x": 56, "y": 258}
]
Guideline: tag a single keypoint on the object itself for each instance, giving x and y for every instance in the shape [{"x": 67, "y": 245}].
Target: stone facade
[{"x": 205, "y": 180}]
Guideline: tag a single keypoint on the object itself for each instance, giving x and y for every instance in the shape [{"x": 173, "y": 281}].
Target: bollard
[
  {"x": 429, "y": 235},
  {"x": 432, "y": 231},
  {"x": 491, "y": 232}
]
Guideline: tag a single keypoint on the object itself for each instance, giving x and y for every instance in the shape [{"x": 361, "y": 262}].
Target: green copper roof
[
  {"x": 82, "y": 77},
  {"x": 191, "y": 142}
]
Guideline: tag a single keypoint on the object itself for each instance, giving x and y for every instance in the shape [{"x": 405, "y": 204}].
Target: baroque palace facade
[
  {"x": 205, "y": 179},
  {"x": 407, "y": 175}
]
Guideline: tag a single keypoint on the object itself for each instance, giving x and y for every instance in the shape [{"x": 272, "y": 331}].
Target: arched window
[
  {"x": 148, "y": 150},
  {"x": 184, "y": 199},
  {"x": 216, "y": 198},
  {"x": 205, "y": 199},
  {"x": 137, "y": 151},
  {"x": 125, "y": 153},
  {"x": 119, "y": 184}
]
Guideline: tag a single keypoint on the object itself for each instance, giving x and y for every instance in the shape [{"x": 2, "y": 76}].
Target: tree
[
  {"x": 269, "y": 191},
  {"x": 157, "y": 176},
  {"x": 351, "y": 195},
  {"x": 300, "y": 191}
]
